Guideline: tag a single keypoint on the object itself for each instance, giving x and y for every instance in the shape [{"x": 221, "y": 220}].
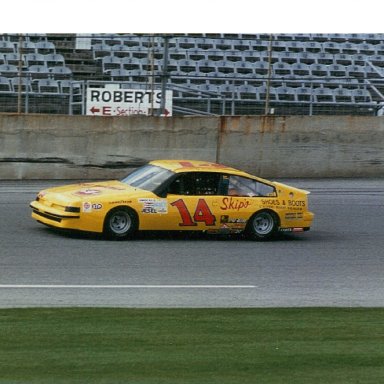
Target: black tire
[
  {"x": 120, "y": 223},
  {"x": 262, "y": 225}
]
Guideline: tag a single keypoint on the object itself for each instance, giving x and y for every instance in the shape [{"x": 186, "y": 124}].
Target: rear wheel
[
  {"x": 262, "y": 225},
  {"x": 120, "y": 223}
]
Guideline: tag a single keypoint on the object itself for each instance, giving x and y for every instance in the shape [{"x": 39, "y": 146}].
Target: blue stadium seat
[
  {"x": 100, "y": 50},
  {"x": 68, "y": 86},
  {"x": 261, "y": 68},
  {"x": 295, "y": 46},
  {"x": 377, "y": 60},
  {"x": 380, "y": 49},
  {"x": 331, "y": 47},
  {"x": 5, "y": 85},
  {"x": 306, "y": 58},
  {"x": 194, "y": 54},
  {"x": 60, "y": 72},
  {"x": 38, "y": 71},
  {"x": 343, "y": 95},
  {"x": 361, "y": 96},
  {"x": 313, "y": 47},
  {"x": 205, "y": 66},
  {"x": 323, "y": 95},
  {"x": 336, "y": 70},
  {"x": 285, "y": 94},
  {"x": 350, "y": 83},
  {"x": 209, "y": 88},
  {"x": 121, "y": 50},
  {"x": 367, "y": 49},
  {"x": 186, "y": 43},
  {"x": 54, "y": 59},
  {"x": 357, "y": 71},
  {"x": 247, "y": 92},
  {"x": 7, "y": 46},
  {"x": 8, "y": 70},
  {"x": 261, "y": 93},
  {"x": 215, "y": 55},
  {"x": 110, "y": 62},
  {"x": 120, "y": 74},
  {"x": 348, "y": 48},
  {"x": 45, "y": 47},
  {"x": 304, "y": 94},
  {"x": 113, "y": 40},
  {"x": 300, "y": 70},
  {"x": 26, "y": 47},
  {"x": 282, "y": 69},
  {"x": 130, "y": 63},
  {"x": 233, "y": 56},
  {"x": 187, "y": 66},
  {"x": 26, "y": 84},
  {"x": 243, "y": 68},
  {"x": 324, "y": 58},
  {"x": 34, "y": 59},
  {"x": 319, "y": 70},
  {"x": 320, "y": 37},
  {"x": 48, "y": 86},
  {"x": 287, "y": 57},
  {"x": 343, "y": 59},
  {"x": 12, "y": 58}
]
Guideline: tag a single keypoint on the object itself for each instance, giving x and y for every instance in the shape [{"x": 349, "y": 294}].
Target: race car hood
[{"x": 87, "y": 191}]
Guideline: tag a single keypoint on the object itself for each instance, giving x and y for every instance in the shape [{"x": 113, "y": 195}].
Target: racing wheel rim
[
  {"x": 120, "y": 222},
  {"x": 263, "y": 223}
]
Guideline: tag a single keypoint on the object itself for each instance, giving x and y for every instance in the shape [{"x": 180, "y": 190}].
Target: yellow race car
[{"x": 177, "y": 195}]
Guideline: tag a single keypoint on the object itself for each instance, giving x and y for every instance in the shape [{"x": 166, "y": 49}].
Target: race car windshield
[{"x": 148, "y": 177}]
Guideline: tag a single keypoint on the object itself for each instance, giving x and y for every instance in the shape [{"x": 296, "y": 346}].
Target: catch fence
[{"x": 205, "y": 74}]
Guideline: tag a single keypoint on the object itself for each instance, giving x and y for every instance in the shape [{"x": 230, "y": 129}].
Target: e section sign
[{"x": 115, "y": 101}]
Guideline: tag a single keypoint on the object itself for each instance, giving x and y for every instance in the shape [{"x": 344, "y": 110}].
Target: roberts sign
[{"x": 114, "y": 101}]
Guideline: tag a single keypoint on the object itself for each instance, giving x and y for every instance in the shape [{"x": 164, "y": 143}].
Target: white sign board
[{"x": 115, "y": 101}]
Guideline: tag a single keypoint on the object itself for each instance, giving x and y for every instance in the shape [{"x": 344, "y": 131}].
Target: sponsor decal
[
  {"x": 296, "y": 203},
  {"x": 274, "y": 202},
  {"x": 110, "y": 187},
  {"x": 230, "y": 203},
  {"x": 233, "y": 223},
  {"x": 121, "y": 202},
  {"x": 232, "y": 220},
  {"x": 295, "y": 229},
  {"x": 87, "y": 192},
  {"x": 202, "y": 214},
  {"x": 89, "y": 207},
  {"x": 285, "y": 230},
  {"x": 154, "y": 205}
]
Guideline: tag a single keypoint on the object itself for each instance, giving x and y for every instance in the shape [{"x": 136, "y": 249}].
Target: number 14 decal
[{"x": 202, "y": 214}]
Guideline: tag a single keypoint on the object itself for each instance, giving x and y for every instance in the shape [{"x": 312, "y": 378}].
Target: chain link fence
[{"x": 210, "y": 74}]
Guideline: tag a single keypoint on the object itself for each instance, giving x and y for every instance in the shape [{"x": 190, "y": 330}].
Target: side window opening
[
  {"x": 244, "y": 187},
  {"x": 196, "y": 183}
]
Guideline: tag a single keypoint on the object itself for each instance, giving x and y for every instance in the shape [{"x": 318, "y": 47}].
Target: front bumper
[{"x": 53, "y": 216}]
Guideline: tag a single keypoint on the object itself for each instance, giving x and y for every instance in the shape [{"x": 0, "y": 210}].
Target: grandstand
[{"x": 232, "y": 74}]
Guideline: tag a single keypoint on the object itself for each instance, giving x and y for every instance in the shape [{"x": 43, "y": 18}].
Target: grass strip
[{"x": 108, "y": 345}]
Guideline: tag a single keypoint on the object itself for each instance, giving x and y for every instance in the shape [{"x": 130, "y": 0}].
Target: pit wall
[{"x": 86, "y": 147}]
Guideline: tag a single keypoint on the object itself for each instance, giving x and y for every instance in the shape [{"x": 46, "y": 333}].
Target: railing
[{"x": 208, "y": 74}]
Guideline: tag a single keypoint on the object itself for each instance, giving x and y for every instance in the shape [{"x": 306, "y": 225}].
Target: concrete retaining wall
[{"x": 85, "y": 147}]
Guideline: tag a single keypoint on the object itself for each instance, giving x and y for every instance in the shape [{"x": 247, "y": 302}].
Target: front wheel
[
  {"x": 120, "y": 223},
  {"x": 262, "y": 225}
]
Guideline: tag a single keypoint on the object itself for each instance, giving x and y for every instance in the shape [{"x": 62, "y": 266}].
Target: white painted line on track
[{"x": 70, "y": 286}]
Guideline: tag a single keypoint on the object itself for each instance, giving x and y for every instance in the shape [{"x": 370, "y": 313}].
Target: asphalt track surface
[{"x": 340, "y": 262}]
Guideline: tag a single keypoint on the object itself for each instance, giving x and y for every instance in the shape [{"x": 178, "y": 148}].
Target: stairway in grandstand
[{"x": 233, "y": 73}]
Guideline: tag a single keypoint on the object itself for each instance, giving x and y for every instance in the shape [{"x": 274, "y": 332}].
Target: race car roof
[{"x": 194, "y": 166}]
